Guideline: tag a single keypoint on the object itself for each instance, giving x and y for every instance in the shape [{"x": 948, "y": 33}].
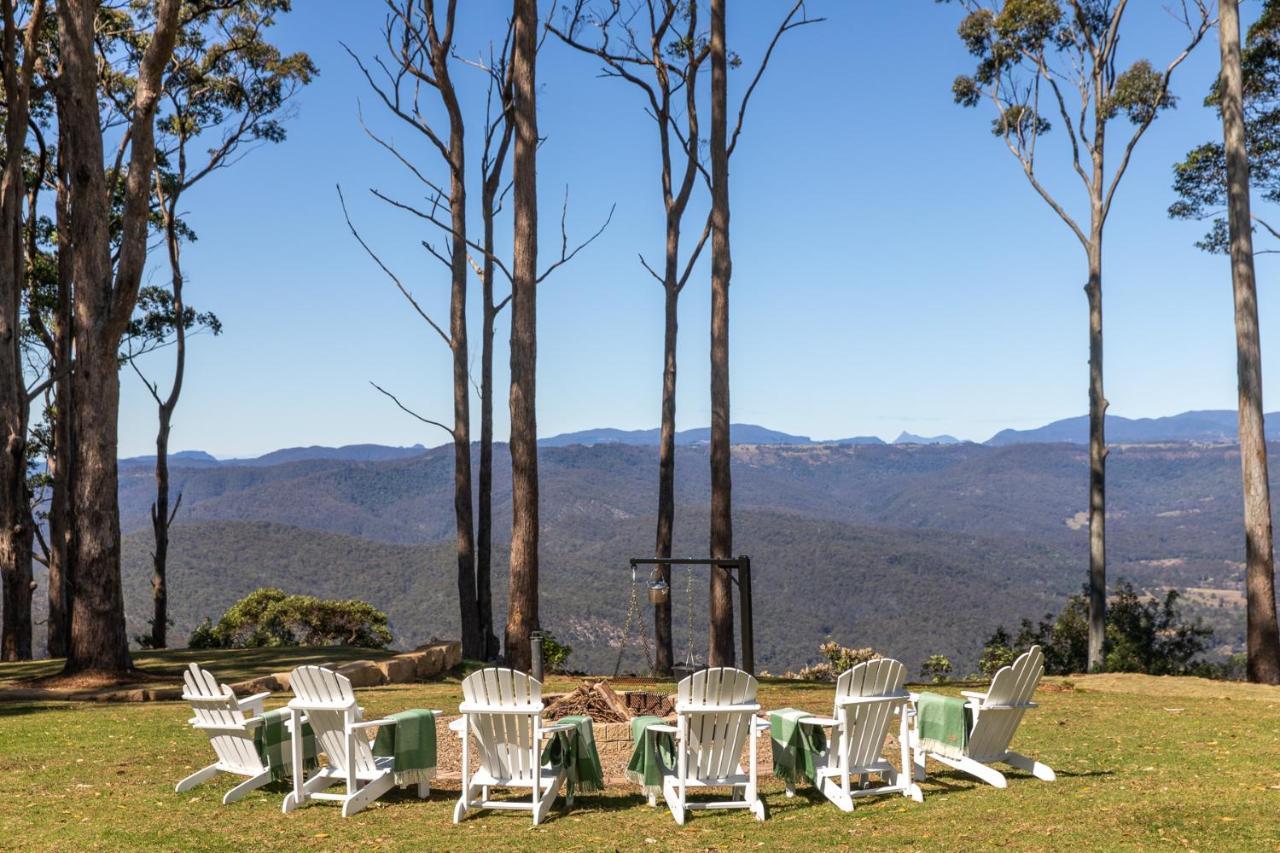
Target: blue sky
[{"x": 892, "y": 268}]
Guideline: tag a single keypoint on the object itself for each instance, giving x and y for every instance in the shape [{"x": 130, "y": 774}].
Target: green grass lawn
[{"x": 1141, "y": 762}]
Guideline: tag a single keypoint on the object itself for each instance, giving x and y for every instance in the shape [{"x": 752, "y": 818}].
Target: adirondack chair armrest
[
  {"x": 372, "y": 724},
  {"x": 474, "y": 708},
  {"x": 818, "y": 721},
  {"x": 662, "y": 728},
  {"x": 973, "y": 694},
  {"x": 715, "y": 709},
  {"x": 253, "y": 701},
  {"x": 556, "y": 728},
  {"x": 873, "y": 700},
  {"x": 1009, "y": 706},
  {"x": 459, "y": 726},
  {"x": 253, "y": 722}
]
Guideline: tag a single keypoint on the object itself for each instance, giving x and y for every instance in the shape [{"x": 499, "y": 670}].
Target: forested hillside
[{"x": 915, "y": 550}]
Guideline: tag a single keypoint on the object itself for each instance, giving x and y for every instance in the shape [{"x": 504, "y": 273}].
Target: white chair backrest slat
[
  {"x": 506, "y": 741},
  {"x": 715, "y": 740},
  {"x": 315, "y": 687},
  {"x": 868, "y": 724},
  {"x": 1012, "y": 685},
  {"x": 217, "y": 706}
]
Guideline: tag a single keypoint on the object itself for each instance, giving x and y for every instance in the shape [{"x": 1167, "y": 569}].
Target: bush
[
  {"x": 838, "y": 659},
  {"x": 205, "y": 636},
  {"x": 1142, "y": 635},
  {"x": 270, "y": 617},
  {"x": 936, "y": 668},
  {"x": 554, "y": 653}
]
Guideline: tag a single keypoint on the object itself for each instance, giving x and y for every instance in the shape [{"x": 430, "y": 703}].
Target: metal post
[
  {"x": 535, "y": 649},
  {"x": 744, "y": 602}
]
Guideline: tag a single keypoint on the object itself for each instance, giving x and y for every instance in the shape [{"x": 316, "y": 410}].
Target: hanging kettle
[{"x": 659, "y": 590}]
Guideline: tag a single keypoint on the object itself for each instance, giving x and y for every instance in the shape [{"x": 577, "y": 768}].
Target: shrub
[
  {"x": 842, "y": 658},
  {"x": 270, "y": 617},
  {"x": 936, "y": 668},
  {"x": 205, "y": 636},
  {"x": 838, "y": 659},
  {"x": 554, "y": 653},
  {"x": 1142, "y": 635}
]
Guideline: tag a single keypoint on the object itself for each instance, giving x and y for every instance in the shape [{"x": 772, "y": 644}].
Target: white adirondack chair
[
  {"x": 715, "y": 713},
  {"x": 502, "y": 710},
  {"x": 329, "y": 703},
  {"x": 867, "y": 698},
  {"x": 229, "y": 722},
  {"x": 996, "y": 716}
]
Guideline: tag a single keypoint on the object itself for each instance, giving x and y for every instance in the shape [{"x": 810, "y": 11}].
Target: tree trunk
[
  {"x": 472, "y": 635},
  {"x": 522, "y": 610},
  {"x": 61, "y": 468},
  {"x": 1263, "y": 638},
  {"x": 663, "y": 655},
  {"x": 16, "y": 532},
  {"x": 61, "y": 579},
  {"x": 484, "y": 501},
  {"x": 1097, "y": 468},
  {"x": 160, "y": 527},
  {"x": 720, "y": 652},
  {"x": 104, "y": 300},
  {"x": 99, "y": 642}
]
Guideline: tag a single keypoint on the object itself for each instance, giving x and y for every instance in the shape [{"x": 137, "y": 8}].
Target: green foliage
[
  {"x": 1143, "y": 634},
  {"x": 554, "y": 653},
  {"x": 1200, "y": 180},
  {"x": 205, "y": 636},
  {"x": 1139, "y": 93},
  {"x": 936, "y": 668},
  {"x": 270, "y": 617}
]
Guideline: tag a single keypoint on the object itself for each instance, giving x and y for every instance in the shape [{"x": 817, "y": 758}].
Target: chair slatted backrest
[
  {"x": 319, "y": 690},
  {"x": 716, "y": 739},
  {"x": 506, "y": 740},
  {"x": 216, "y": 707},
  {"x": 1012, "y": 686},
  {"x": 868, "y": 724}
]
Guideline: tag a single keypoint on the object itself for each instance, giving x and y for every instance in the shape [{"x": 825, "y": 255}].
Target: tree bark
[
  {"x": 663, "y": 656},
  {"x": 1263, "y": 636},
  {"x": 1097, "y": 467},
  {"x": 720, "y": 651},
  {"x": 104, "y": 301},
  {"x": 16, "y": 525},
  {"x": 61, "y": 579},
  {"x": 484, "y": 502},
  {"x": 160, "y": 527},
  {"x": 522, "y": 609},
  {"x": 473, "y": 644}
]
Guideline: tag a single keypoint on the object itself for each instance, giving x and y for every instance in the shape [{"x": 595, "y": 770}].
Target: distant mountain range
[
  {"x": 1211, "y": 426},
  {"x": 1215, "y": 426},
  {"x": 960, "y": 537}
]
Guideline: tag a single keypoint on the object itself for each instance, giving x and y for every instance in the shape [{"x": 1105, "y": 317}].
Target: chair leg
[
  {"x": 990, "y": 775},
  {"x": 424, "y": 790},
  {"x": 1030, "y": 765},
  {"x": 366, "y": 795},
  {"x": 245, "y": 787},
  {"x": 204, "y": 774}
]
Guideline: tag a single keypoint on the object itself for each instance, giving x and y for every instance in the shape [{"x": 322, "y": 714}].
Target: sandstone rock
[
  {"x": 398, "y": 669},
  {"x": 362, "y": 673}
]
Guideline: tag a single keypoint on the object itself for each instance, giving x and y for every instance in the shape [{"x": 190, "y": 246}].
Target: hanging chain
[{"x": 633, "y": 609}]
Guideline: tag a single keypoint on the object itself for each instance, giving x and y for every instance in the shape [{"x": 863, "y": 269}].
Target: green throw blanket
[
  {"x": 652, "y": 756},
  {"x": 943, "y": 723},
  {"x": 576, "y": 752},
  {"x": 795, "y": 747},
  {"x": 275, "y": 748},
  {"x": 412, "y": 743}
]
